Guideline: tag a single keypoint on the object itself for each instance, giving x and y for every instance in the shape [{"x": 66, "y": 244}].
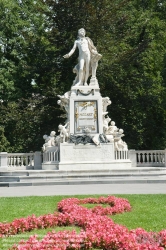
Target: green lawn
[{"x": 148, "y": 212}]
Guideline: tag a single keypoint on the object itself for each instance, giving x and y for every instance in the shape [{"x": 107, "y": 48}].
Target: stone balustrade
[
  {"x": 121, "y": 155},
  {"x": 51, "y": 156},
  {"x": 139, "y": 158},
  {"x": 20, "y": 161},
  {"x": 149, "y": 158}
]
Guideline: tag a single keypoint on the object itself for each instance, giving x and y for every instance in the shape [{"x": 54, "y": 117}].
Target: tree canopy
[{"x": 34, "y": 36}]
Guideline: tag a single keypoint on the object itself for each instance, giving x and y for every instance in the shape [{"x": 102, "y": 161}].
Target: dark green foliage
[
  {"x": 4, "y": 144},
  {"x": 132, "y": 72},
  {"x": 28, "y": 111}
]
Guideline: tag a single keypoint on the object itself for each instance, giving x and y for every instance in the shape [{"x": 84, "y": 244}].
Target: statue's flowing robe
[{"x": 95, "y": 57}]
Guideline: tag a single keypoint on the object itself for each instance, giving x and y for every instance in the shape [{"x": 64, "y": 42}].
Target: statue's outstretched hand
[{"x": 66, "y": 56}]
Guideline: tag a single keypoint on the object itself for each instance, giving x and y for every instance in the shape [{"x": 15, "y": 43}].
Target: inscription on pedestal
[{"x": 85, "y": 116}]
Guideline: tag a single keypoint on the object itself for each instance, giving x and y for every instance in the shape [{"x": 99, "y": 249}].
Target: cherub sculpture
[
  {"x": 112, "y": 129},
  {"x": 118, "y": 142},
  {"x": 105, "y": 102},
  {"x": 64, "y": 134},
  {"x": 106, "y": 124},
  {"x": 49, "y": 140}
]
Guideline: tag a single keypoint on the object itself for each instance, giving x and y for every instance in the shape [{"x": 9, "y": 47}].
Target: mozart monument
[{"x": 88, "y": 140}]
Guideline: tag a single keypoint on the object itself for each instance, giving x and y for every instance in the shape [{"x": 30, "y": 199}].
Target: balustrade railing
[
  {"x": 51, "y": 156},
  {"x": 139, "y": 158},
  {"x": 121, "y": 155},
  {"x": 20, "y": 160},
  {"x": 150, "y": 158}
]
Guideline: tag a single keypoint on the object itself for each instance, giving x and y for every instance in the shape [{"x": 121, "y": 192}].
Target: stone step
[
  {"x": 56, "y": 177},
  {"x": 122, "y": 180},
  {"x": 80, "y": 172}
]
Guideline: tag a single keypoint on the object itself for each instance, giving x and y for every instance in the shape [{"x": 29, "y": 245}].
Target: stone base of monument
[
  {"x": 50, "y": 166},
  {"x": 51, "y": 158},
  {"x": 90, "y": 157},
  {"x": 66, "y": 166}
]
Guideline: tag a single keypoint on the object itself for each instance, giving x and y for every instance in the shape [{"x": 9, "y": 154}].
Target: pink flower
[{"x": 98, "y": 230}]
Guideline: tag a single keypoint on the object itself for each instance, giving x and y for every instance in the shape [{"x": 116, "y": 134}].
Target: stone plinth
[
  {"x": 86, "y": 110},
  {"x": 89, "y": 157},
  {"x": 50, "y": 166},
  {"x": 50, "y": 158}
]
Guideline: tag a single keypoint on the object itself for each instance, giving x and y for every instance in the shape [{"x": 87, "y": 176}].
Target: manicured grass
[
  {"x": 18, "y": 207},
  {"x": 148, "y": 212}
]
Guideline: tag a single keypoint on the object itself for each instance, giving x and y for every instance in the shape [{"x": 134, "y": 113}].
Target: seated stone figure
[
  {"x": 118, "y": 142},
  {"x": 49, "y": 140},
  {"x": 112, "y": 129}
]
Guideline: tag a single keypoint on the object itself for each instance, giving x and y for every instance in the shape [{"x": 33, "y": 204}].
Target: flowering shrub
[
  {"x": 116, "y": 205},
  {"x": 28, "y": 224},
  {"x": 56, "y": 241},
  {"x": 98, "y": 230}
]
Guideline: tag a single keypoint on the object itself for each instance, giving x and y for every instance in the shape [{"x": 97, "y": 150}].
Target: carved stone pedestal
[
  {"x": 86, "y": 110},
  {"x": 84, "y": 143},
  {"x": 89, "y": 157}
]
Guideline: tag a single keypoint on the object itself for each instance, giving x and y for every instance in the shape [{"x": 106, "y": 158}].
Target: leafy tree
[
  {"x": 4, "y": 144},
  {"x": 132, "y": 72},
  {"x": 131, "y": 37},
  {"x": 26, "y": 54}
]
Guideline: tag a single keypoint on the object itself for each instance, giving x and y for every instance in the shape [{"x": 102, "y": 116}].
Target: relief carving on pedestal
[{"x": 85, "y": 117}]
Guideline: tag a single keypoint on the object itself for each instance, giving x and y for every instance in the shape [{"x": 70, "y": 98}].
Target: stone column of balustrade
[
  {"x": 38, "y": 160},
  {"x": 133, "y": 157}
]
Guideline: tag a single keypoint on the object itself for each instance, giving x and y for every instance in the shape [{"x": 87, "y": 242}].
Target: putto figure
[
  {"x": 64, "y": 134},
  {"x": 88, "y": 58},
  {"x": 49, "y": 140}
]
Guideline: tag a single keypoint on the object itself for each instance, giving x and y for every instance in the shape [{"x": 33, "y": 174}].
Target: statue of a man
[{"x": 88, "y": 58}]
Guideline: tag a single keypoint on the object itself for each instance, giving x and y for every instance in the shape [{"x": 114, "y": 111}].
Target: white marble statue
[
  {"x": 106, "y": 124},
  {"x": 112, "y": 129},
  {"x": 57, "y": 140},
  {"x": 121, "y": 145},
  {"x": 105, "y": 102},
  {"x": 64, "y": 133},
  {"x": 118, "y": 142},
  {"x": 49, "y": 140},
  {"x": 88, "y": 58},
  {"x": 64, "y": 102}
]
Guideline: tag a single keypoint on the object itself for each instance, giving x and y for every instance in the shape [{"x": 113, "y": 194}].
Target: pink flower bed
[{"x": 97, "y": 230}]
